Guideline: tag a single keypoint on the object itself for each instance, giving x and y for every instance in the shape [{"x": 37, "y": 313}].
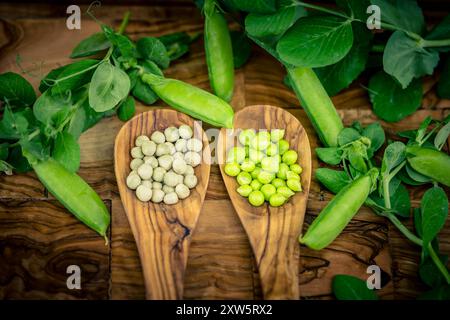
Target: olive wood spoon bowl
[
  {"x": 162, "y": 232},
  {"x": 273, "y": 231}
]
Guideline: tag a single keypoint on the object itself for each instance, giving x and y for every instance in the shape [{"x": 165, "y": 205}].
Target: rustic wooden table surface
[{"x": 39, "y": 239}]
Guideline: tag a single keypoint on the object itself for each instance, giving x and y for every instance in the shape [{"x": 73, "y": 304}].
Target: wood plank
[{"x": 38, "y": 241}]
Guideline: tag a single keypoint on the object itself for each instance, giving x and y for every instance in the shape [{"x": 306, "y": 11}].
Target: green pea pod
[
  {"x": 219, "y": 52},
  {"x": 317, "y": 104},
  {"x": 74, "y": 194},
  {"x": 430, "y": 162},
  {"x": 191, "y": 100},
  {"x": 339, "y": 211}
]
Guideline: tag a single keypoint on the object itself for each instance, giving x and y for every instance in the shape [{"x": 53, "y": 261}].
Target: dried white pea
[
  {"x": 178, "y": 155},
  {"x": 171, "y": 146},
  {"x": 190, "y": 181},
  {"x": 136, "y": 163},
  {"x": 192, "y": 158},
  {"x": 157, "y": 185},
  {"x": 147, "y": 183},
  {"x": 139, "y": 140},
  {"x": 158, "y": 195},
  {"x": 185, "y": 131},
  {"x": 171, "y": 179},
  {"x": 158, "y": 137},
  {"x": 133, "y": 181},
  {"x": 180, "y": 145},
  {"x": 167, "y": 189},
  {"x": 144, "y": 193},
  {"x": 194, "y": 145},
  {"x": 151, "y": 161},
  {"x": 162, "y": 149},
  {"x": 136, "y": 153},
  {"x": 171, "y": 198},
  {"x": 158, "y": 174},
  {"x": 179, "y": 166},
  {"x": 182, "y": 191},
  {"x": 165, "y": 161},
  {"x": 171, "y": 134},
  {"x": 145, "y": 171},
  {"x": 189, "y": 170},
  {"x": 148, "y": 148}
]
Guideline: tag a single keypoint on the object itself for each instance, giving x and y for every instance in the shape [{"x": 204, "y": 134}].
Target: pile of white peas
[{"x": 162, "y": 168}]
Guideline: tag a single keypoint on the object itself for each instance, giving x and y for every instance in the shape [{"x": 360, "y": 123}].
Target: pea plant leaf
[
  {"x": 333, "y": 180},
  {"x": 443, "y": 87},
  {"x": 434, "y": 206},
  {"x": 401, "y": 202},
  {"x": 405, "y": 14},
  {"x": 390, "y": 101},
  {"x": 376, "y": 135},
  {"x": 92, "y": 45},
  {"x": 48, "y": 105},
  {"x": 341, "y": 74},
  {"x": 332, "y": 155},
  {"x": 405, "y": 59},
  {"x": 416, "y": 176},
  {"x": 177, "y": 44},
  {"x": 108, "y": 87},
  {"x": 440, "y": 31},
  {"x": 348, "y": 135},
  {"x": 74, "y": 76},
  {"x": 76, "y": 123},
  {"x": 16, "y": 90},
  {"x": 429, "y": 273},
  {"x": 316, "y": 41},
  {"x": 144, "y": 93},
  {"x": 442, "y": 136},
  {"x": 13, "y": 125},
  {"x": 393, "y": 155},
  {"x": 17, "y": 160},
  {"x": 355, "y": 8},
  {"x": 256, "y": 6},
  {"x": 347, "y": 287},
  {"x": 126, "y": 109},
  {"x": 241, "y": 48},
  {"x": 50, "y": 78},
  {"x": 67, "y": 151},
  {"x": 153, "y": 49},
  {"x": 441, "y": 292},
  {"x": 275, "y": 24}
]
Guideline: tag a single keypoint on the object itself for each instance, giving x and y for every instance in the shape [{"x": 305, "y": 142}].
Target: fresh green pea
[
  {"x": 284, "y": 168},
  {"x": 296, "y": 168},
  {"x": 276, "y": 134},
  {"x": 244, "y": 178},
  {"x": 290, "y": 157},
  {"x": 270, "y": 164},
  {"x": 191, "y": 100},
  {"x": 261, "y": 141},
  {"x": 285, "y": 191},
  {"x": 232, "y": 169},
  {"x": 246, "y": 136},
  {"x": 244, "y": 190},
  {"x": 277, "y": 182},
  {"x": 255, "y": 172},
  {"x": 268, "y": 190},
  {"x": 283, "y": 146},
  {"x": 277, "y": 200},
  {"x": 294, "y": 184},
  {"x": 265, "y": 177},
  {"x": 272, "y": 149},
  {"x": 255, "y": 184},
  {"x": 292, "y": 175},
  {"x": 339, "y": 211},
  {"x": 247, "y": 165},
  {"x": 219, "y": 52},
  {"x": 255, "y": 155},
  {"x": 256, "y": 198},
  {"x": 236, "y": 154}
]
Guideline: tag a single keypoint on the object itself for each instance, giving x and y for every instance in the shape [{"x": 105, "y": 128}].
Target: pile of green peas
[{"x": 265, "y": 168}]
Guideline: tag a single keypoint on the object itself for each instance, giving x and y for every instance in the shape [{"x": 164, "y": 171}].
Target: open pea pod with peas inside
[{"x": 265, "y": 163}]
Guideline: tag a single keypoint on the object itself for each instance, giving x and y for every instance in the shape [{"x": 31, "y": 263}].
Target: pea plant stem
[
  {"x": 436, "y": 43},
  {"x": 30, "y": 137},
  {"x": 401, "y": 227},
  {"x": 322, "y": 9},
  {"x": 442, "y": 268},
  {"x": 122, "y": 27}
]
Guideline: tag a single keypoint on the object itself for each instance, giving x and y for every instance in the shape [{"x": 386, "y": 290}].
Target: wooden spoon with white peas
[{"x": 162, "y": 165}]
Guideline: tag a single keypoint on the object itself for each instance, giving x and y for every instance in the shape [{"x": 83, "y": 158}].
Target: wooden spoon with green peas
[
  {"x": 272, "y": 226},
  {"x": 162, "y": 232}
]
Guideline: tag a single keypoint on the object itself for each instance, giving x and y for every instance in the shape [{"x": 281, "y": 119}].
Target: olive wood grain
[
  {"x": 162, "y": 232},
  {"x": 273, "y": 232}
]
